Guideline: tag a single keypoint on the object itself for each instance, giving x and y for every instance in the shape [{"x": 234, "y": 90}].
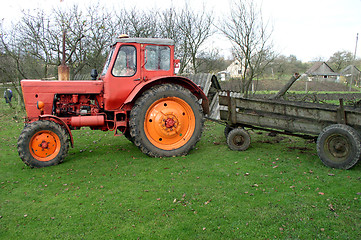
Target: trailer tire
[
  {"x": 339, "y": 146},
  {"x": 227, "y": 129},
  {"x": 42, "y": 144},
  {"x": 238, "y": 139},
  {"x": 166, "y": 121}
]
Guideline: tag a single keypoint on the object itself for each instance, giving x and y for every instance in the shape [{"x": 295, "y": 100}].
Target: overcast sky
[{"x": 308, "y": 29}]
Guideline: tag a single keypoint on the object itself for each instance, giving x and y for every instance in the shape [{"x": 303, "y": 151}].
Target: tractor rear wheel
[
  {"x": 42, "y": 144},
  {"x": 128, "y": 136},
  {"x": 166, "y": 121}
]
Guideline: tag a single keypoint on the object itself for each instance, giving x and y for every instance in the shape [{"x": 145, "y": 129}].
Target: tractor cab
[{"x": 132, "y": 61}]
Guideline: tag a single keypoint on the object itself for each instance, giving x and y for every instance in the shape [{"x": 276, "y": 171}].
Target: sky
[{"x": 309, "y": 29}]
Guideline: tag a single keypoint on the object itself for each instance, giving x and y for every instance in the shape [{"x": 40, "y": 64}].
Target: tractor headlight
[{"x": 40, "y": 105}]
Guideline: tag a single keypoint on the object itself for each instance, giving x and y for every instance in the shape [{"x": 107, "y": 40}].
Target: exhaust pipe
[{"x": 87, "y": 121}]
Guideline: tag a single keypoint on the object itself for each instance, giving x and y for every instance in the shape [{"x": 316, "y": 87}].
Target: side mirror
[{"x": 94, "y": 74}]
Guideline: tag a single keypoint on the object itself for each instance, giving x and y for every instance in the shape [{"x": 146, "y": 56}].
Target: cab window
[
  {"x": 157, "y": 57},
  {"x": 126, "y": 63}
]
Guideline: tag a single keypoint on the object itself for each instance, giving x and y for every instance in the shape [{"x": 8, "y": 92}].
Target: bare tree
[
  {"x": 32, "y": 48},
  {"x": 196, "y": 28},
  {"x": 250, "y": 37},
  {"x": 101, "y": 33},
  {"x": 23, "y": 54},
  {"x": 211, "y": 61},
  {"x": 137, "y": 23}
]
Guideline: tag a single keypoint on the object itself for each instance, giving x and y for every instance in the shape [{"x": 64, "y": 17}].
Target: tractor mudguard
[
  {"x": 185, "y": 82},
  {"x": 60, "y": 122}
]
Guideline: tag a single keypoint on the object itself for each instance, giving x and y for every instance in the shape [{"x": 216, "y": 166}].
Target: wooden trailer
[{"x": 336, "y": 127}]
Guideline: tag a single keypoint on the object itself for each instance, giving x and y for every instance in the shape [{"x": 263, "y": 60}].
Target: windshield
[{"x": 106, "y": 66}]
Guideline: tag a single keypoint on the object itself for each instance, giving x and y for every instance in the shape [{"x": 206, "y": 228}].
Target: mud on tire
[
  {"x": 238, "y": 139},
  {"x": 339, "y": 146},
  {"x": 42, "y": 144},
  {"x": 166, "y": 121}
]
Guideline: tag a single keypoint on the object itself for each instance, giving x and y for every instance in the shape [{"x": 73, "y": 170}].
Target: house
[
  {"x": 223, "y": 75},
  {"x": 321, "y": 71},
  {"x": 235, "y": 69},
  {"x": 351, "y": 74}
]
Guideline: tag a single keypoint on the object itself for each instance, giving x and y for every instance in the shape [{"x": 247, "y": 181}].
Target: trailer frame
[{"x": 337, "y": 128}]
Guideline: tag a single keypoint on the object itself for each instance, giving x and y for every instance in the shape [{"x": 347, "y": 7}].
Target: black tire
[
  {"x": 339, "y": 146},
  {"x": 166, "y": 121},
  {"x": 43, "y": 144},
  {"x": 227, "y": 129},
  {"x": 128, "y": 136},
  {"x": 238, "y": 139}
]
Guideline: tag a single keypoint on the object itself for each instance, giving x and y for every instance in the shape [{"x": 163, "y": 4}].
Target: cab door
[
  {"x": 122, "y": 76},
  {"x": 156, "y": 61}
]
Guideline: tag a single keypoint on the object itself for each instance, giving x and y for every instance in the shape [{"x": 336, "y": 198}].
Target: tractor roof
[{"x": 158, "y": 41}]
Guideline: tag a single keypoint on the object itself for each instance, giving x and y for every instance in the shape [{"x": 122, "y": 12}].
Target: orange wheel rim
[
  {"x": 169, "y": 123},
  {"x": 44, "y": 145}
]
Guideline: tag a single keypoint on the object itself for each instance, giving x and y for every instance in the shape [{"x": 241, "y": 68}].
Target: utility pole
[
  {"x": 353, "y": 64},
  {"x": 354, "y": 56}
]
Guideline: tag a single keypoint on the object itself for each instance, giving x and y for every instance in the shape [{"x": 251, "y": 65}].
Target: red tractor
[{"x": 137, "y": 95}]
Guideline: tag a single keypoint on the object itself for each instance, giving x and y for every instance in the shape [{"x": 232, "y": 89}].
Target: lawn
[{"x": 108, "y": 189}]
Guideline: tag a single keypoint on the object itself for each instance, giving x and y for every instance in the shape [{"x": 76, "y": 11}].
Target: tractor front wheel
[
  {"x": 166, "y": 121},
  {"x": 42, "y": 144}
]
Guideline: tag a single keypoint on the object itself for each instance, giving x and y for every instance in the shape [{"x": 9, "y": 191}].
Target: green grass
[{"x": 108, "y": 189}]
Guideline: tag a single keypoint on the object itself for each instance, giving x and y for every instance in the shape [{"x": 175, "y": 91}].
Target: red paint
[{"x": 106, "y": 103}]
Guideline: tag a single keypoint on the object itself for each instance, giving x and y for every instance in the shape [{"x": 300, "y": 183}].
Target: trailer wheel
[
  {"x": 227, "y": 129},
  {"x": 42, "y": 144},
  {"x": 166, "y": 121},
  {"x": 339, "y": 146},
  {"x": 238, "y": 139}
]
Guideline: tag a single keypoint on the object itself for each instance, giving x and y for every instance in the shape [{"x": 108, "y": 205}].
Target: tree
[
  {"x": 138, "y": 23},
  {"x": 283, "y": 65},
  {"x": 341, "y": 59},
  {"x": 189, "y": 29},
  {"x": 195, "y": 29},
  {"x": 211, "y": 62},
  {"x": 250, "y": 37},
  {"x": 88, "y": 35},
  {"x": 32, "y": 47}
]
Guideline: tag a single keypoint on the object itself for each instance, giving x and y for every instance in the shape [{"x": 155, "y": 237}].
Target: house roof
[
  {"x": 321, "y": 69},
  {"x": 348, "y": 70}
]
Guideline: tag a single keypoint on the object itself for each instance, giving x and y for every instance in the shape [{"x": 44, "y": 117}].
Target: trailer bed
[{"x": 297, "y": 118}]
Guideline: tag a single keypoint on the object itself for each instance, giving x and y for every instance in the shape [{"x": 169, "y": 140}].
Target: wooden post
[
  {"x": 287, "y": 86},
  {"x": 341, "y": 115}
]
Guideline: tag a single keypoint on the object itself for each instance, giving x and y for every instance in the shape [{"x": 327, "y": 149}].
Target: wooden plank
[
  {"x": 316, "y": 112},
  {"x": 295, "y": 125}
]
